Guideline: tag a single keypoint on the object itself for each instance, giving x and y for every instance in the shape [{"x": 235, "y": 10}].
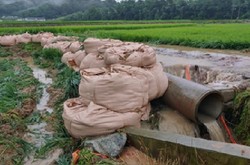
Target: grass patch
[
  {"x": 216, "y": 36},
  {"x": 16, "y": 79},
  {"x": 4, "y": 52},
  {"x": 242, "y": 113}
]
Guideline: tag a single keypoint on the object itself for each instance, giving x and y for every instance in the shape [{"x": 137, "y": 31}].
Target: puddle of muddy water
[
  {"x": 222, "y": 61},
  {"x": 37, "y": 133}
]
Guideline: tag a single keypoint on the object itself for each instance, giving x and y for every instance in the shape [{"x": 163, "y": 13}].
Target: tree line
[{"x": 136, "y": 10}]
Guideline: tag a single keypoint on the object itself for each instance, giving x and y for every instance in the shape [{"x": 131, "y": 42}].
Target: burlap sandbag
[
  {"x": 23, "y": 38},
  {"x": 75, "y": 46},
  {"x": 45, "y": 37},
  {"x": 36, "y": 37},
  {"x": 129, "y": 53},
  {"x": 63, "y": 46},
  {"x": 8, "y": 40},
  {"x": 120, "y": 90},
  {"x": 48, "y": 40},
  {"x": 91, "y": 44},
  {"x": 90, "y": 120},
  {"x": 156, "y": 79},
  {"x": 73, "y": 60},
  {"x": 92, "y": 60}
]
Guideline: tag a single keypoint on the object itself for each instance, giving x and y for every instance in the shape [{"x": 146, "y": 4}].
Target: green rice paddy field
[{"x": 202, "y": 35}]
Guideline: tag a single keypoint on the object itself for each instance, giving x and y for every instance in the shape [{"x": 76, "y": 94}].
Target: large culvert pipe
[{"x": 193, "y": 100}]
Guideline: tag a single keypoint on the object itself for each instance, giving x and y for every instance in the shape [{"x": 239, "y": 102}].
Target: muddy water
[
  {"x": 38, "y": 134},
  {"x": 41, "y": 75},
  {"x": 214, "y": 129},
  {"x": 173, "y": 122},
  {"x": 229, "y": 61}
]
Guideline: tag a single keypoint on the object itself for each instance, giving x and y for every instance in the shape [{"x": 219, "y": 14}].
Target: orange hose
[
  {"x": 231, "y": 138},
  {"x": 75, "y": 157},
  {"x": 187, "y": 72}
]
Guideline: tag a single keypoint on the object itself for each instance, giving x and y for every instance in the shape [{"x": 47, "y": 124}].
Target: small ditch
[{"x": 39, "y": 133}]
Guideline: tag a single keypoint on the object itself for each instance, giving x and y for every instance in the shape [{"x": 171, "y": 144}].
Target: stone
[
  {"x": 246, "y": 76},
  {"x": 109, "y": 145}
]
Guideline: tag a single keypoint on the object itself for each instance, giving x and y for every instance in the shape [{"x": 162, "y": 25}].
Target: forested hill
[{"x": 127, "y": 9}]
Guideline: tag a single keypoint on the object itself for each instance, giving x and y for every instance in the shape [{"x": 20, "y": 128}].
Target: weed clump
[{"x": 242, "y": 113}]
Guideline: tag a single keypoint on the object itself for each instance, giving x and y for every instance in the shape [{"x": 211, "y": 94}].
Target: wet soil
[{"x": 233, "y": 62}]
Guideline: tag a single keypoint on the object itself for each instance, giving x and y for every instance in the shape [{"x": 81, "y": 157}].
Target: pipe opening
[{"x": 210, "y": 106}]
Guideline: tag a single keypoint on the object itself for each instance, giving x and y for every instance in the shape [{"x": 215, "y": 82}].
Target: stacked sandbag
[
  {"x": 46, "y": 38},
  {"x": 92, "y": 60},
  {"x": 8, "y": 40},
  {"x": 47, "y": 41},
  {"x": 23, "y": 38},
  {"x": 63, "y": 46},
  {"x": 39, "y": 36},
  {"x": 83, "y": 120},
  {"x": 73, "y": 60},
  {"x": 120, "y": 78},
  {"x": 91, "y": 45},
  {"x": 75, "y": 46},
  {"x": 118, "y": 89},
  {"x": 132, "y": 54},
  {"x": 155, "y": 78}
]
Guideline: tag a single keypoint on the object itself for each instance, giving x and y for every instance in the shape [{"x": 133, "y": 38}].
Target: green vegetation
[
  {"x": 4, "y": 52},
  {"x": 16, "y": 80},
  {"x": 220, "y": 36},
  {"x": 86, "y": 28},
  {"x": 242, "y": 114},
  {"x": 15, "y": 76},
  {"x": 88, "y": 157},
  {"x": 216, "y": 36}
]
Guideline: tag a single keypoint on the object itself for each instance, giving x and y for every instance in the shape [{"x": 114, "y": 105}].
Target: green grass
[
  {"x": 203, "y": 35},
  {"x": 219, "y": 36},
  {"x": 84, "y": 28},
  {"x": 242, "y": 114},
  {"x": 15, "y": 77}
]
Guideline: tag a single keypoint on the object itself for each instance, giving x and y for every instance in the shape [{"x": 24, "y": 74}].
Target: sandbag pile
[
  {"x": 117, "y": 78},
  {"x": 118, "y": 81},
  {"x": 8, "y": 40},
  {"x": 47, "y": 40}
]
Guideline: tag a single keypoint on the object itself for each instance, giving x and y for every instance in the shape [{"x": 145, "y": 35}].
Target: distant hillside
[
  {"x": 49, "y": 9},
  {"x": 127, "y": 9}
]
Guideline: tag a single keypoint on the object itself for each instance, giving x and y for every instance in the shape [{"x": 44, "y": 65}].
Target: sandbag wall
[
  {"x": 118, "y": 81},
  {"x": 47, "y": 40}
]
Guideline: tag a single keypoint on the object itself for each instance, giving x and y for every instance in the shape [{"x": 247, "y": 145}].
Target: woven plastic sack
[
  {"x": 75, "y": 46},
  {"x": 63, "y": 46},
  {"x": 8, "y": 40},
  {"x": 92, "y": 60},
  {"x": 118, "y": 89},
  {"x": 155, "y": 78},
  {"x": 73, "y": 60},
  {"x": 23, "y": 38},
  {"x": 91, "y": 44},
  {"x": 129, "y": 53},
  {"x": 83, "y": 120}
]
